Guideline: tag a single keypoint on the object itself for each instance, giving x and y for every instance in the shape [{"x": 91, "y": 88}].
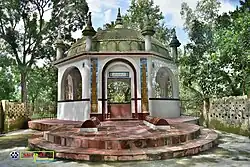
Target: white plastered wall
[
  {"x": 74, "y": 110},
  {"x": 166, "y": 108}
]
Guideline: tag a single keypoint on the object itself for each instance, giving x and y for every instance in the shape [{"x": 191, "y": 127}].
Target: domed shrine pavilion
[
  {"x": 117, "y": 73},
  {"x": 118, "y": 100}
]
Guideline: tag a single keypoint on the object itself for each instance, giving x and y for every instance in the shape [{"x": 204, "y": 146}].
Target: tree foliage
[
  {"x": 232, "y": 38},
  {"x": 7, "y": 88},
  {"x": 216, "y": 61},
  {"x": 136, "y": 16},
  {"x": 30, "y": 35},
  {"x": 199, "y": 67}
]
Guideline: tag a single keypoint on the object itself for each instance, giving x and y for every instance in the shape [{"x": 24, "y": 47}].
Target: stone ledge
[
  {"x": 207, "y": 140},
  {"x": 93, "y": 122},
  {"x": 155, "y": 127},
  {"x": 156, "y": 121}
]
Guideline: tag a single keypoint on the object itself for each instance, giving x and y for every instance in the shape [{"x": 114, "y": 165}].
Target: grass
[
  {"x": 14, "y": 141},
  {"x": 236, "y": 129}
]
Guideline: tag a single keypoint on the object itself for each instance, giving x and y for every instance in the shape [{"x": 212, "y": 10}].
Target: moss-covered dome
[{"x": 117, "y": 40}]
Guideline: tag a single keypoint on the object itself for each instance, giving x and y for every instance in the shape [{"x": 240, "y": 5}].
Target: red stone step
[
  {"x": 121, "y": 119},
  {"x": 123, "y": 137},
  {"x": 46, "y": 124},
  {"x": 206, "y": 140}
]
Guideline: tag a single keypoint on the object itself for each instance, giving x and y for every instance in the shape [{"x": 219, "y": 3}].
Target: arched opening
[
  {"x": 164, "y": 87},
  {"x": 71, "y": 85},
  {"x": 119, "y": 91},
  {"x": 119, "y": 83}
]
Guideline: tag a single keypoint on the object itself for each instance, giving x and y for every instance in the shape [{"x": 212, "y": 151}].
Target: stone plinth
[{"x": 125, "y": 141}]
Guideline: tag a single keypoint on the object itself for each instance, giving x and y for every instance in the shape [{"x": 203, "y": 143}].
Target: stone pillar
[
  {"x": 59, "y": 45},
  {"x": 147, "y": 32},
  {"x": 88, "y": 43},
  {"x": 85, "y": 81},
  {"x": 59, "y": 53},
  {"x": 174, "y": 44},
  {"x": 150, "y": 88},
  {"x": 148, "y": 44},
  {"x": 94, "y": 100},
  {"x": 59, "y": 85}
]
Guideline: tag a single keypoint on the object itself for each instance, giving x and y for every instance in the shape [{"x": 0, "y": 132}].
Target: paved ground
[{"x": 233, "y": 151}]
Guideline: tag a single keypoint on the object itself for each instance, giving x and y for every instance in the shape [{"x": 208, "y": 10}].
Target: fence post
[
  {"x": 4, "y": 107},
  {"x": 248, "y": 113},
  {"x": 1, "y": 118}
]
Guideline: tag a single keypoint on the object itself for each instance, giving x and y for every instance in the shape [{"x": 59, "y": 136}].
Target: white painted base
[
  {"x": 88, "y": 129},
  {"x": 165, "y": 108},
  {"x": 152, "y": 126},
  {"x": 75, "y": 111}
]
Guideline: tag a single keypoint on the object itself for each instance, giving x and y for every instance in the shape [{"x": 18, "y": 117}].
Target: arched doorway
[{"x": 111, "y": 81}]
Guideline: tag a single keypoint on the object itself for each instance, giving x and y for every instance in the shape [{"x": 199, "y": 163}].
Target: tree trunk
[
  {"x": 33, "y": 105},
  {"x": 206, "y": 106},
  {"x": 24, "y": 95},
  {"x": 244, "y": 86}
]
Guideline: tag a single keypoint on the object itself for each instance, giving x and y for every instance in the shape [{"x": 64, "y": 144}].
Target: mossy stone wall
[{"x": 230, "y": 114}]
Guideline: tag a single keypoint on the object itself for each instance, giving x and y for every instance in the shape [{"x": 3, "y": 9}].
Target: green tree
[
  {"x": 26, "y": 32},
  {"x": 232, "y": 40},
  {"x": 7, "y": 88},
  {"x": 42, "y": 85},
  {"x": 216, "y": 62},
  {"x": 199, "y": 69},
  {"x": 137, "y": 13}
]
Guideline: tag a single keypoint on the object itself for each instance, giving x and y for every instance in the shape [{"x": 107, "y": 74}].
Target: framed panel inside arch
[
  {"x": 165, "y": 83},
  {"x": 71, "y": 84}
]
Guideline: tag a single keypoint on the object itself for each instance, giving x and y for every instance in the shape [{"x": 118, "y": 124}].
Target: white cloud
[
  {"x": 226, "y": 6},
  {"x": 168, "y": 7},
  {"x": 101, "y": 13},
  {"x": 98, "y": 7},
  {"x": 107, "y": 16}
]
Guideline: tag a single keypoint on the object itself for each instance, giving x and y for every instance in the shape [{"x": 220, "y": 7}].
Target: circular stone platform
[{"x": 125, "y": 141}]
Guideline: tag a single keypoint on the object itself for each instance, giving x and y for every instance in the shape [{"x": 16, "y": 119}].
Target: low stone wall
[
  {"x": 230, "y": 114},
  {"x": 13, "y": 116}
]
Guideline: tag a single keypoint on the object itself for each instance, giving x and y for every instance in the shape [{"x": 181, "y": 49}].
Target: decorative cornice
[{"x": 89, "y": 54}]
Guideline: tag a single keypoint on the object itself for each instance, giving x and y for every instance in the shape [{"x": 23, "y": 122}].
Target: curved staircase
[{"x": 125, "y": 141}]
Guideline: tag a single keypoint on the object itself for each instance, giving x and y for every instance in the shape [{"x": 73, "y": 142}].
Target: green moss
[
  {"x": 218, "y": 125},
  {"x": 14, "y": 141},
  {"x": 17, "y": 124}
]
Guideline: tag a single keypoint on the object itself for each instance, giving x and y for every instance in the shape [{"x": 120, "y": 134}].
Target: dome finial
[
  {"x": 59, "y": 41},
  {"x": 174, "y": 42},
  {"x": 89, "y": 30},
  {"x": 89, "y": 22},
  {"x": 59, "y": 35},
  {"x": 119, "y": 17},
  {"x": 148, "y": 29}
]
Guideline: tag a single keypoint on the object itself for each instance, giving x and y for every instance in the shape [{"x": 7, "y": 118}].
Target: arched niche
[
  {"x": 71, "y": 84},
  {"x": 166, "y": 86}
]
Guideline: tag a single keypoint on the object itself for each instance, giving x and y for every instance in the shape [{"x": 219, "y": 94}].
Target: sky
[{"x": 105, "y": 11}]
